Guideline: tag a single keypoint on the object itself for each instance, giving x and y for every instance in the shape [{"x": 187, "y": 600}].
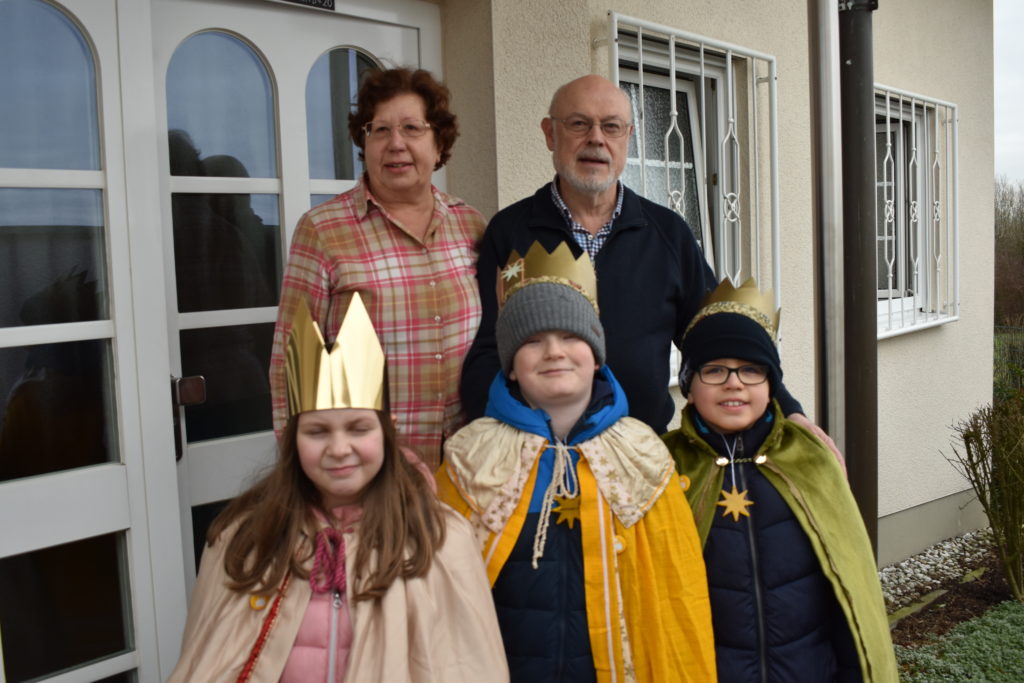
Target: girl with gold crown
[
  {"x": 340, "y": 564},
  {"x": 794, "y": 589}
]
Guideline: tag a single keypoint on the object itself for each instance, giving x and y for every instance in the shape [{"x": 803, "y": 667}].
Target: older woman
[{"x": 406, "y": 247}]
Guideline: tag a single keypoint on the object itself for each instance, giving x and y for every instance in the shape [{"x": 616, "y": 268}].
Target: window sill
[{"x": 925, "y": 322}]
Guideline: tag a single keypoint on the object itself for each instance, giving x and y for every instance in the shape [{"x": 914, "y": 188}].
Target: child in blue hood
[{"x": 590, "y": 547}]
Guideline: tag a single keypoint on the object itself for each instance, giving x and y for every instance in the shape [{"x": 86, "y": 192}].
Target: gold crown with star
[
  {"x": 351, "y": 375},
  {"x": 746, "y": 300},
  {"x": 559, "y": 267}
]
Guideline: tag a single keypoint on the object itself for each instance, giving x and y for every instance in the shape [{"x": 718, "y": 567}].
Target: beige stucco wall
[
  {"x": 513, "y": 54},
  {"x": 930, "y": 379}
]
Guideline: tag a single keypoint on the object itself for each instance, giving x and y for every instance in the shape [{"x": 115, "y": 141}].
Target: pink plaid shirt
[{"x": 422, "y": 298}]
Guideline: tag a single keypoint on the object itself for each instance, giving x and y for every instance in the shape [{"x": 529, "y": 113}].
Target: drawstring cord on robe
[
  {"x": 564, "y": 483},
  {"x": 328, "y": 573}
]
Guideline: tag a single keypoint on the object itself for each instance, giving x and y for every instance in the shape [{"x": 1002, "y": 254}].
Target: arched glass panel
[
  {"x": 47, "y": 90},
  {"x": 331, "y": 90},
  {"x": 220, "y": 102}
]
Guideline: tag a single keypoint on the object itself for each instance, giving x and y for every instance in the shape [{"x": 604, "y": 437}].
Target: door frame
[{"x": 147, "y": 198}]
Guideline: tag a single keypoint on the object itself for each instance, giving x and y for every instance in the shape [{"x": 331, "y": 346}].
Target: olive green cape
[{"x": 809, "y": 478}]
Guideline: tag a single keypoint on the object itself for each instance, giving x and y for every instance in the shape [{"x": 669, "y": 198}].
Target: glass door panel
[
  {"x": 52, "y": 256},
  {"x": 226, "y": 254},
  {"x": 64, "y": 606},
  {"x": 234, "y": 361},
  {"x": 57, "y": 407}
]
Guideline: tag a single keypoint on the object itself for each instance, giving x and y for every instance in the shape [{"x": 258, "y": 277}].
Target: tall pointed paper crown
[
  {"x": 558, "y": 267},
  {"x": 351, "y": 375},
  {"x": 746, "y": 300}
]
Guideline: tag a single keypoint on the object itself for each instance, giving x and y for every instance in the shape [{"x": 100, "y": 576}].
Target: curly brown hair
[
  {"x": 401, "y": 528},
  {"x": 380, "y": 85}
]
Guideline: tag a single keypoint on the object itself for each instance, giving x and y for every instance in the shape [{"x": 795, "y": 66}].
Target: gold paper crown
[
  {"x": 559, "y": 267},
  {"x": 746, "y": 300},
  {"x": 351, "y": 375}
]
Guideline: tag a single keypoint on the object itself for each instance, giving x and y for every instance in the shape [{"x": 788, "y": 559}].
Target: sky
[{"x": 1009, "y": 86}]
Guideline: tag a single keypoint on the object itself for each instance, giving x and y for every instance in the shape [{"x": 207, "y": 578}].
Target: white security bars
[
  {"x": 917, "y": 224},
  {"x": 706, "y": 140}
]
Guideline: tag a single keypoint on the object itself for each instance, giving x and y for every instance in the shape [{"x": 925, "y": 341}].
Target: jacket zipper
[
  {"x": 758, "y": 597},
  {"x": 332, "y": 644}
]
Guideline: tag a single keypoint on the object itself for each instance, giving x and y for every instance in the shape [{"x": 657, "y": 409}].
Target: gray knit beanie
[{"x": 545, "y": 306}]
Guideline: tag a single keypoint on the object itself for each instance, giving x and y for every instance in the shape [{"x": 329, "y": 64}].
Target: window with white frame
[
  {"x": 916, "y": 224},
  {"x": 705, "y": 141}
]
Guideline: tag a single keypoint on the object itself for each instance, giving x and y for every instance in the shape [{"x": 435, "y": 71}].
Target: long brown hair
[{"x": 401, "y": 528}]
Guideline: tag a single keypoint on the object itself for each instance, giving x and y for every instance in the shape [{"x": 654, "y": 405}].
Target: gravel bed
[{"x": 906, "y": 581}]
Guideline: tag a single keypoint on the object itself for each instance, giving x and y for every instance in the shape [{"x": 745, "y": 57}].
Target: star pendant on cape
[
  {"x": 735, "y": 503},
  {"x": 568, "y": 510}
]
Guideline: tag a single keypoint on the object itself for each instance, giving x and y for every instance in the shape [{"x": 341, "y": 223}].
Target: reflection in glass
[
  {"x": 331, "y": 91},
  {"x": 52, "y": 256},
  {"x": 681, "y": 174},
  {"x": 63, "y": 607},
  {"x": 56, "y": 408},
  {"x": 220, "y": 96},
  {"x": 227, "y": 253},
  {"x": 47, "y": 90},
  {"x": 234, "y": 361}
]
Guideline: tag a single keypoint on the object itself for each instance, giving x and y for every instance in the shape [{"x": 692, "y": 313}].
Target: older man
[{"x": 651, "y": 274}]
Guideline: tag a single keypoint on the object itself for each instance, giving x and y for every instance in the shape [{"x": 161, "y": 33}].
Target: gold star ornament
[
  {"x": 735, "y": 503},
  {"x": 568, "y": 510}
]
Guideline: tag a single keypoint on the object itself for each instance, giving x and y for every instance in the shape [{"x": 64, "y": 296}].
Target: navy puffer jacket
[{"x": 775, "y": 615}]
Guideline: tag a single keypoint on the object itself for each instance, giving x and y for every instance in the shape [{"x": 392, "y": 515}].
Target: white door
[
  {"x": 76, "y": 591},
  {"x": 255, "y": 97}
]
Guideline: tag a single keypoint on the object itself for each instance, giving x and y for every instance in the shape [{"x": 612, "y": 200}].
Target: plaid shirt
[
  {"x": 588, "y": 243},
  {"x": 421, "y": 296}
]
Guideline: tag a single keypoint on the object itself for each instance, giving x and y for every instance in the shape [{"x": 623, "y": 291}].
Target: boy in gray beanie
[
  {"x": 794, "y": 590},
  {"x": 590, "y": 546}
]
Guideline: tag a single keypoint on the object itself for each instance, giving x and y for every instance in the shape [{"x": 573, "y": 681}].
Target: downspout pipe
[
  {"x": 827, "y": 190},
  {"x": 860, "y": 317}
]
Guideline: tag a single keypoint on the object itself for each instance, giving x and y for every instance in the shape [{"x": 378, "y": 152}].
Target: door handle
[{"x": 185, "y": 391}]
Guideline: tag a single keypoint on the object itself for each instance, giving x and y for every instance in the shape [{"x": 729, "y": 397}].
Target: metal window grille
[
  {"x": 705, "y": 141},
  {"x": 917, "y": 227}
]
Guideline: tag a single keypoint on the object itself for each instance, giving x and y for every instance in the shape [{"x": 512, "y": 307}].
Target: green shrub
[
  {"x": 1008, "y": 361},
  {"x": 989, "y": 452},
  {"x": 989, "y": 648}
]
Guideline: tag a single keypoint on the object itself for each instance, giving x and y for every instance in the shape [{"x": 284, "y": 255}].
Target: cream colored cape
[
  {"x": 648, "y": 612},
  {"x": 441, "y": 627}
]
